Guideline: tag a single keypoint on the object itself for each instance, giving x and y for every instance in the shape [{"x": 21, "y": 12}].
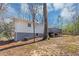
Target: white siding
[
  {"x": 25, "y": 29},
  {"x": 39, "y": 28}
]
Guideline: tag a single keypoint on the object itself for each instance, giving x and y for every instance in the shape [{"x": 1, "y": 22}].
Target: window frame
[{"x": 29, "y": 24}]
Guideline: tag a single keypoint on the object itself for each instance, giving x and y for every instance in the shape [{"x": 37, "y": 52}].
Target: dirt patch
[{"x": 57, "y": 46}]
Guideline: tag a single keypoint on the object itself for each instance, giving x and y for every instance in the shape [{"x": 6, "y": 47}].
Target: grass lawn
[{"x": 66, "y": 45}]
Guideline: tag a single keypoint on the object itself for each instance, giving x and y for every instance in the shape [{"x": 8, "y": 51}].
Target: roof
[
  {"x": 23, "y": 21},
  {"x": 55, "y": 30}
]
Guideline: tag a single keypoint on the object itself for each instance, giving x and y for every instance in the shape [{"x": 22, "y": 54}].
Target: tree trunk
[
  {"x": 45, "y": 36},
  {"x": 34, "y": 29},
  {"x": 33, "y": 17}
]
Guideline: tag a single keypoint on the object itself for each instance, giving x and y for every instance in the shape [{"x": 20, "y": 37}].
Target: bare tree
[
  {"x": 45, "y": 21},
  {"x": 5, "y": 28},
  {"x": 33, "y": 16},
  {"x": 2, "y": 7},
  {"x": 2, "y": 10},
  {"x": 33, "y": 9}
]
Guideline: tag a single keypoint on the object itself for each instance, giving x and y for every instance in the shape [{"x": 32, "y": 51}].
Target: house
[
  {"x": 24, "y": 29},
  {"x": 54, "y": 32}
]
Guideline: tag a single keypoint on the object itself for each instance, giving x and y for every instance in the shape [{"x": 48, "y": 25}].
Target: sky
[{"x": 58, "y": 13}]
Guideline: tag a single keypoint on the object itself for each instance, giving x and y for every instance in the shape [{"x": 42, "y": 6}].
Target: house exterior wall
[
  {"x": 21, "y": 36},
  {"x": 23, "y": 31},
  {"x": 23, "y": 28},
  {"x": 39, "y": 28}
]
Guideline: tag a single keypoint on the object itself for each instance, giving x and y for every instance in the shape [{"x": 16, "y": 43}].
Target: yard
[{"x": 66, "y": 45}]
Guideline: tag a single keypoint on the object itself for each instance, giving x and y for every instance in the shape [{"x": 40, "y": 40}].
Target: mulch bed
[{"x": 4, "y": 45}]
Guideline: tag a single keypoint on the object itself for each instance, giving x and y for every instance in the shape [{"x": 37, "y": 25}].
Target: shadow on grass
[{"x": 19, "y": 45}]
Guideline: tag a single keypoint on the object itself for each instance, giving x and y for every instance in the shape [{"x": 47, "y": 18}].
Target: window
[
  {"x": 29, "y": 25},
  {"x": 36, "y": 34}
]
